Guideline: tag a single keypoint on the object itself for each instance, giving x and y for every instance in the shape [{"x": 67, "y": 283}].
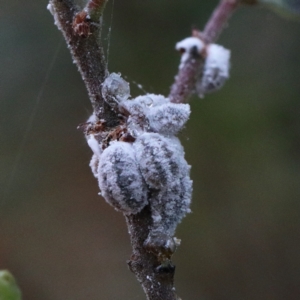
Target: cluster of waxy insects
[{"x": 141, "y": 161}]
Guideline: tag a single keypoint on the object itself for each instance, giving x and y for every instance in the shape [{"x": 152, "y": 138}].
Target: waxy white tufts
[
  {"x": 166, "y": 173},
  {"x": 155, "y": 113},
  {"x": 150, "y": 167},
  {"x": 187, "y": 47},
  {"x": 215, "y": 71},
  {"x": 120, "y": 180}
]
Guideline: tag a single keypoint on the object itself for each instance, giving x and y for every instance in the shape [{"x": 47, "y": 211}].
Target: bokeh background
[{"x": 62, "y": 241}]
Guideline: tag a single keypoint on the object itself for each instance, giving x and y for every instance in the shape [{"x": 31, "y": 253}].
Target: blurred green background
[{"x": 62, "y": 241}]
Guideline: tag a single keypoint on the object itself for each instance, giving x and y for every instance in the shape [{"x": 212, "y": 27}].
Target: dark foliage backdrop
[{"x": 62, "y": 241}]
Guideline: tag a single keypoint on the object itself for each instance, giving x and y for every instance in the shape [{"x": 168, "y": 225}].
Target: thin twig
[
  {"x": 219, "y": 19},
  {"x": 185, "y": 80}
]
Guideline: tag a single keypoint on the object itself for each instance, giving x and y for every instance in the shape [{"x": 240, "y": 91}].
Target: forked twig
[{"x": 81, "y": 29}]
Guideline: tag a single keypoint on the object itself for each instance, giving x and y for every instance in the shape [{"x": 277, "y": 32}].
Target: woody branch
[{"x": 81, "y": 29}]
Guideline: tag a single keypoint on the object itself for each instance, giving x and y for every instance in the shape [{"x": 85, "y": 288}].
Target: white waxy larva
[
  {"x": 152, "y": 170},
  {"x": 120, "y": 180},
  {"x": 166, "y": 173},
  {"x": 151, "y": 100},
  {"x": 137, "y": 109},
  {"x": 155, "y": 113},
  {"x": 168, "y": 118},
  {"x": 215, "y": 71},
  {"x": 139, "y": 106}
]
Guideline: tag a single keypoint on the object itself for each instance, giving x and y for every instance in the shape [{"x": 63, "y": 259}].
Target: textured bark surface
[
  {"x": 157, "y": 279},
  {"x": 87, "y": 53}
]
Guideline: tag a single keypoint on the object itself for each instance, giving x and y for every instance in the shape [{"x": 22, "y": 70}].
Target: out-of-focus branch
[
  {"x": 218, "y": 20},
  {"x": 185, "y": 80}
]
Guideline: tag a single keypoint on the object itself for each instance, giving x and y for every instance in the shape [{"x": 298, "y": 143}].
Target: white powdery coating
[
  {"x": 92, "y": 119},
  {"x": 168, "y": 118},
  {"x": 166, "y": 173},
  {"x": 140, "y": 105},
  {"x": 150, "y": 100},
  {"x": 52, "y": 11},
  {"x": 216, "y": 70},
  {"x": 188, "y": 45},
  {"x": 50, "y": 8},
  {"x": 94, "y": 164},
  {"x": 94, "y": 145},
  {"x": 150, "y": 170},
  {"x": 120, "y": 180},
  {"x": 137, "y": 110},
  {"x": 155, "y": 113},
  {"x": 115, "y": 88}
]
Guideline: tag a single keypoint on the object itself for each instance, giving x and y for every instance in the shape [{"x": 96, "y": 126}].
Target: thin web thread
[
  {"x": 29, "y": 125},
  {"x": 109, "y": 33},
  {"x": 138, "y": 85}
]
